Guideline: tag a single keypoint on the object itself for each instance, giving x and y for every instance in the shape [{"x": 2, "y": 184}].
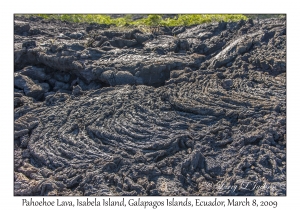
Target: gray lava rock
[
  {"x": 178, "y": 30},
  {"x": 20, "y": 27},
  {"x": 32, "y": 89},
  {"x": 227, "y": 83},
  {"x": 120, "y": 43},
  {"x": 61, "y": 85},
  {"x": 124, "y": 77},
  {"x": 159, "y": 115},
  {"x": 141, "y": 38},
  {"x": 176, "y": 73},
  {"x": 213, "y": 167},
  {"x": 62, "y": 77},
  {"x": 35, "y": 73},
  {"x": 108, "y": 77},
  {"x": 76, "y": 35},
  {"x": 19, "y": 55},
  {"x": 76, "y": 90}
]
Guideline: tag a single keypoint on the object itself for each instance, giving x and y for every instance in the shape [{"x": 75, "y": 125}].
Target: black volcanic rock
[{"x": 104, "y": 112}]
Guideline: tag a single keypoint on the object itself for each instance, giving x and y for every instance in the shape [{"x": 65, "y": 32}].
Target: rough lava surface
[{"x": 181, "y": 111}]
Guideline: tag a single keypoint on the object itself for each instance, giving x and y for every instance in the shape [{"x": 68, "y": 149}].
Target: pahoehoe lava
[{"x": 197, "y": 110}]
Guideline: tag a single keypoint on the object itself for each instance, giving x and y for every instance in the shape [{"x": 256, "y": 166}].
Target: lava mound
[{"x": 181, "y": 111}]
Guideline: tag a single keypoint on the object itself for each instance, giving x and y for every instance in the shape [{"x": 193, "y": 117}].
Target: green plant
[
  {"x": 264, "y": 16},
  {"x": 153, "y": 20}
]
